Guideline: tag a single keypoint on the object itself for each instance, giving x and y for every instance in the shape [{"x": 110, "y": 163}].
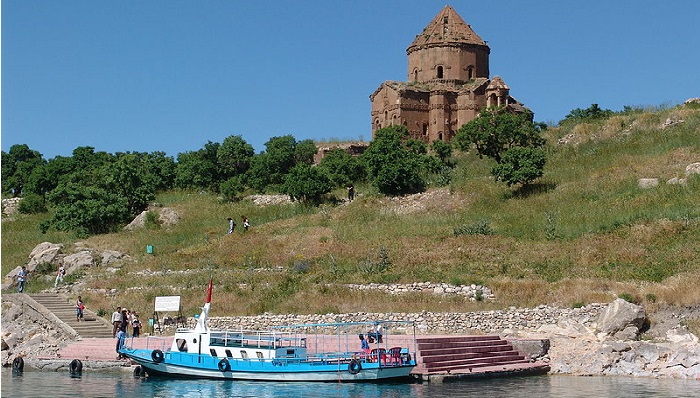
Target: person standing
[
  {"x": 21, "y": 279},
  {"x": 364, "y": 344},
  {"x": 136, "y": 324},
  {"x": 246, "y": 224},
  {"x": 125, "y": 320},
  {"x": 59, "y": 275},
  {"x": 121, "y": 336},
  {"x": 79, "y": 308},
  {"x": 116, "y": 320},
  {"x": 231, "y": 225},
  {"x": 351, "y": 192}
]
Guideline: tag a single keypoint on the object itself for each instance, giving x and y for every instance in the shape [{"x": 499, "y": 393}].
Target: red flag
[{"x": 209, "y": 289}]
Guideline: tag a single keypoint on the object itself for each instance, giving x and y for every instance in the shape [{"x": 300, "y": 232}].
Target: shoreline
[{"x": 578, "y": 345}]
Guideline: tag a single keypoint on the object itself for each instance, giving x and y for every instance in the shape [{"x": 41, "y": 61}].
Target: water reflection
[{"x": 123, "y": 384}]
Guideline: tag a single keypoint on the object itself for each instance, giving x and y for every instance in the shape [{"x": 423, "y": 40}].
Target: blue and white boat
[{"x": 309, "y": 352}]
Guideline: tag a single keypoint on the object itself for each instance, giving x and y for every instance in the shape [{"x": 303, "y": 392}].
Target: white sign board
[{"x": 167, "y": 303}]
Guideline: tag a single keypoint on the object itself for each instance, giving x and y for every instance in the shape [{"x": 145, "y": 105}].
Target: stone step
[
  {"x": 464, "y": 344},
  {"x": 479, "y": 363},
  {"x": 514, "y": 368},
  {"x": 64, "y": 310},
  {"x": 466, "y": 350},
  {"x": 457, "y": 339},
  {"x": 455, "y": 357}
]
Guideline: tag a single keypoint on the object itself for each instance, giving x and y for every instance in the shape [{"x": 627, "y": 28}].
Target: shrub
[
  {"x": 478, "y": 228},
  {"x": 32, "y": 204},
  {"x": 152, "y": 220},
  {"x": 629, "y": 298}
]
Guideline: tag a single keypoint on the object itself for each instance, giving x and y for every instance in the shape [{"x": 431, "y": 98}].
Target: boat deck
[{"x": 439, "y": 358}]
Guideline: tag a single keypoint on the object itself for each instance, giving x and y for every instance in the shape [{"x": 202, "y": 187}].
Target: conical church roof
[{"x": 446, "y": 28}]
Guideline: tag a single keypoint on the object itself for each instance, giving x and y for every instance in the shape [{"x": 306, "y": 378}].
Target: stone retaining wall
[{"x": 487, "y": 322}]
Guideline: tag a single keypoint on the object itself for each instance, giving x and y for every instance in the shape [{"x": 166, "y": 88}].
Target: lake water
[{"x": 123, "y": 384}]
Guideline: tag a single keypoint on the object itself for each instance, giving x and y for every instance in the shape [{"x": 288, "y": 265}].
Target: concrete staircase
[
  {"x": 92, "y": 326},
  {"x": 468, "y": 354}
]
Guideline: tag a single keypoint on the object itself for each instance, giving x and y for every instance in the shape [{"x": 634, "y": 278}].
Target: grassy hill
[{"x": 585, "y": 233}]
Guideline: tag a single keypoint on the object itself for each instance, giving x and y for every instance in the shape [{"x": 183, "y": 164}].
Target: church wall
[{"x": 455, "y": 61}]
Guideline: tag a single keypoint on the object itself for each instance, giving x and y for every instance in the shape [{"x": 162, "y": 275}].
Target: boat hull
[{"x": 197, "y": 366}]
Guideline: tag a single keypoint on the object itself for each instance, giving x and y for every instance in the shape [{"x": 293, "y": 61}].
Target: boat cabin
[{"x": 240, "y": 345}]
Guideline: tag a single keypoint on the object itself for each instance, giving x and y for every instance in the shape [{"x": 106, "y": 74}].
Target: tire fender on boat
[
  {"x": 139, "y": 371},
  {"x": 354, "y": 367},
  {"x": 157, "y": 356},
  {"x": 224, "y": 365},
  {"x": 75, "y": 366},
  {"x": 18, "y": 364}
]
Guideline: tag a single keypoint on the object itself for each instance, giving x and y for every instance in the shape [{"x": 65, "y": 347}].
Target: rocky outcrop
[
  {"x": 166, "y": 218},
  {"x": 45, "y": 252},
  {"x": 29, "y": 330},
  {"x": 112, "y": 257},
  {"x": 267, "y": 200},
  {"x": 693, "y": 168},
  {"x": 76, "y": 261},
  {"x": 645, "y": 183},
  {"x": 52, "y": 253},
  {"x": 622, "y": 320}
]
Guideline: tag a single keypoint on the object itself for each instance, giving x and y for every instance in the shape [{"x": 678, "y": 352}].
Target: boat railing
[
  {"x": 255, "y": 339},
  {"x": 152, "y": 343}
]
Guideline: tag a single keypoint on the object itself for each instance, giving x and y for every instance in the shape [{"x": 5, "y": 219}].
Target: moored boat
[{"x": 308, "y": 352}]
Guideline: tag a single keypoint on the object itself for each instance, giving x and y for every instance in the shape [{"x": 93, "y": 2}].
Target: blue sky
[{"x": 171, "y": 75}]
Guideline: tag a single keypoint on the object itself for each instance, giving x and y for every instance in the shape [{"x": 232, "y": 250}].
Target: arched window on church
[
  {"x": 492, "y": 101},
  {"x": 440, "y": 135},
  {"x": 439, "y": 72},
  {"x": 425, "y": 128},
  {"x": 470, "y": 72},
  {"x": 415, "y": 74},
  {"x": 393, "y": 120}
]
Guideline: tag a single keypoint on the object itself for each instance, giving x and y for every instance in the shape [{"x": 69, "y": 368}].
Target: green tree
[
  {"x": 442, "y": 149},
  {"x": 593, "y": 112},
  {"x": 234, "y": 156},
  {"x": 232, "y": 188},
  {"x": 392, "y": 167},
  {"x": 17, "y": 166},
  {"x": 125, "y": 178},
  {"x": 306, "y": 183},
  {"x": 495, "y": 131},
  {"x": 86, "y": 209},
  {"x": 198, "y": 169},
  {"x": 304, "y": 152},
  {"x": 511, "y": 139},
  {"x": 160, "y": 170},
  {"x": 341, "y": 167},
  {"x": 268, "y": 169},
  {"x": 520, "y": 165}
]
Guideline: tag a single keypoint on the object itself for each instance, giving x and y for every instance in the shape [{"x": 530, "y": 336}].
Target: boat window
[
  {"x": 213, "y": 352},
  {"x": 244, "y": 354},
  {"x": 228, "y": 354},
  {"x": 290, "y": 352},
  {"x": 259, "y": 354},
  {"x": 181, "y": 344}
]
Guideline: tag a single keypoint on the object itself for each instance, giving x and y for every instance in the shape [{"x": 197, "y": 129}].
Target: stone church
[{"x": 448, "y": 83}]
